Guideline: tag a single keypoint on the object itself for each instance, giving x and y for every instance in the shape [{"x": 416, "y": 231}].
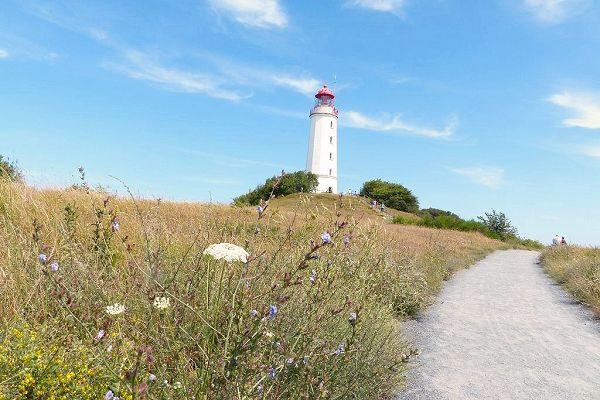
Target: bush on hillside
[
  {"x": 435, "y": 212},
  {"x": 286, "y": 184},
  {"x": 392, "y": 195},
  {"x": 498, "y": 223},
  {"x": 9, "y": 170},
  {"x": 447, "y": 220}
]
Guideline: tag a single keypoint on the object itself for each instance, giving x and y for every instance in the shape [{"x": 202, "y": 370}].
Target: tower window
[
  {"x": 330, "y": 171},
  {"x": 331, "y": 156},
  {"x": 330, "y": 139},
  {"x": 331, "y": 124}
]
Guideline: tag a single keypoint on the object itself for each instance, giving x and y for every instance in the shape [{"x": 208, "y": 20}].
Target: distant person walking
[
  {"x": 563, "y": 241},
  {"x": 382, "y": 207},
  {"x": 556, "y": 240}
]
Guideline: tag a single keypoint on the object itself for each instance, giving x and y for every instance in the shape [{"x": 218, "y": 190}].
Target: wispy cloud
[
  {"x": 304, "y": 85},
  {"x": 553, "y": 11},
  {"x": 591, "y": 151},
  {"x": 255, "y": 13},
  {"x": 395, "y": 124},
  {"x": 140, "y": 66},
  {"x": 586, "y": 106},
  {"x": 392, "y": 6},
  {"x": 485, "y": 176},
  {"x": 3, "y": 54}
]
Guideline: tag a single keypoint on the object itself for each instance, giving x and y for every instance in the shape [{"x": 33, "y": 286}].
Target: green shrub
[
  {"x": 498, "y": 223},
  {"x": 391, "y": 194},
  {"x": 9, "y": 170},
  {"x": 296, "y": 182}
]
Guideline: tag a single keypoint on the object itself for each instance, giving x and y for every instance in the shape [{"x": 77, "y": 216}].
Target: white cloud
[
  {"x": 591, "y": 151},
  {"x": 304, "y": 85},
  {"x": 3, "y": 54},
  {"x": 485, "y": 176},
  {"x": 586, "y": 106},
  {"x": 256, "y": 13},
  {"x": 553, "y": 11},
  {"x": 140, "y": 66},
  {"x": 354, "y": 119},
  {"x": 393, "y": 6}
]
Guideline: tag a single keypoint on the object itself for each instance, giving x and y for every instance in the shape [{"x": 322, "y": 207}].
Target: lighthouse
[{"x": 322, "y": 144}]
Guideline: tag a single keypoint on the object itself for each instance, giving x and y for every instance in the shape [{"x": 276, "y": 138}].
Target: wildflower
[
  {"x": 313, "y": 276},
  {"x": 115, "y": 309},
  {"x": 346, "y": 240},
  {"x": 269, "y": 334},
  {"x": 109, "y": 395},
  {"x": 54, "y": 266},
  {"x": 271, "y": 373},
  {"x": 326, "y": 237},
  {"x": 277, "y": 345},
  {"x": 162, "y": 302},
  {"x": 227, "y": 251},
  {"x": 43, "y": 258},
  {"x": 260, "y": 210},
  {"x": 109, "y": 348},
  {"x": 152, "y": 377},
  {"x": 272, "y": 311},
  {"x": 100, "y": 335},
  {"x": 339, "y": 350},
  {"x": 114, "y": 226},
  {"x": 289, "y": 361},
  {"x": 177, "y": 385},
  {"x": 259, "y": 389},
  {"x": 352, "y": 318},
  {"x": 305, "y": 360},
  {"x": 253, "y": 313}
]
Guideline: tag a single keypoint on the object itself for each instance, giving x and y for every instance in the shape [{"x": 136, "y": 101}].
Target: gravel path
[{"x": 504, "y": 330}]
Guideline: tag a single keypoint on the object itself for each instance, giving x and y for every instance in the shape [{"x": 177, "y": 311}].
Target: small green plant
[{"x": 392, "y": 195}]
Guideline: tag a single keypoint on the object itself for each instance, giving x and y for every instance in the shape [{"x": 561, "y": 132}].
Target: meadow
[
  {"x": 107, "y": 297},
  {"x": 578, "y": 270}
]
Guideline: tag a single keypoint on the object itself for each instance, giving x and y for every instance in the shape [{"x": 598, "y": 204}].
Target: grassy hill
[{"x": 103, "y": 293}]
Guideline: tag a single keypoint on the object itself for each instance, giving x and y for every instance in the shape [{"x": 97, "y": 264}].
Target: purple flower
[
  {"x": 152, "y": 377},
  {"x": 43, "y": 258},
  {"x": 289, "y": 361},
  {"x": 271, "y": 373},
  {"x": 100, "y": 335},
  {"x": 340, "y": 350},
  {"x": 109, "y": 395},
  {"x": 115, "y": 225},
  {"x": 272, "y": 311},
  {"x": 326, "y": 237},
  {"x": 54, "y": 266},
  {"x": 346, "y": 240},
  {"x": 260, "y": 210},
  {"x": 259, "y": 389},
  {"x": 253, "y": 313},
  {"x": 313, "y": 276}
]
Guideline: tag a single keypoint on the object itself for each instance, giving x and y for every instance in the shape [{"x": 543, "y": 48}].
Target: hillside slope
[{"x": 107, "y": 293}]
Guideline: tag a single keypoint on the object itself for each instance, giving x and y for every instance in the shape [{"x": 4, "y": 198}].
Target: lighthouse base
[{"x": 327, "y": 184}]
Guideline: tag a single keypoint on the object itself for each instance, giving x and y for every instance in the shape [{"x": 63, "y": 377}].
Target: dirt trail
[{"x": 504, "y": 330}]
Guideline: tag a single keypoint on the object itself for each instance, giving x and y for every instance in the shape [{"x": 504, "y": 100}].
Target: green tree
[
  {"x": 497, "y": 222},
  {"x": 391, "y": 194},
  {"x": 295, "y": 182},
  {"x": 9, "y": 170}
]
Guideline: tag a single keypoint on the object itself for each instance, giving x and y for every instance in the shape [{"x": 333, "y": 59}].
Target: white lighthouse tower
[{"x": 323, "y": 145}]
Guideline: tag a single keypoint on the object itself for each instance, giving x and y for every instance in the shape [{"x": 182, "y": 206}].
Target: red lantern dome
[{"x": 324, "y": 93}]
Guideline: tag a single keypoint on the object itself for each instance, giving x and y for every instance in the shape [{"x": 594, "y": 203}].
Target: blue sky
[{"x": 473, "y": 105}]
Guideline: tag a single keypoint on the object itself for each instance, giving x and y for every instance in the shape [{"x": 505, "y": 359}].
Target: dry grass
[
  {"x": 578, "y": 270},
  {"x": 335, "y": 334}
]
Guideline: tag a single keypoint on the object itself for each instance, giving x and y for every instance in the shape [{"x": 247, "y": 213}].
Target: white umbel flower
[
  {"x": 227, "y": 251},
  {"x": 162, "y": 302},
  {"x": 115, "y": 309}
]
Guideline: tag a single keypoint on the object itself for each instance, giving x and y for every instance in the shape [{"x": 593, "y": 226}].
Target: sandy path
[{"x": 503, "y": 330}]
